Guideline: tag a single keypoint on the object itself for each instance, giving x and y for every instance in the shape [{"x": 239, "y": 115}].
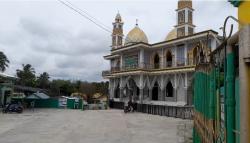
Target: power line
[
  {"x": 77, "y": 11},
  {"x": 88, "y": 15}
]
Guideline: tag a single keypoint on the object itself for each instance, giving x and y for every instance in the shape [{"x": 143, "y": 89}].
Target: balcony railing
[
  {"x": 106, "y": 73},
  {"x": 148, "y": 66}
]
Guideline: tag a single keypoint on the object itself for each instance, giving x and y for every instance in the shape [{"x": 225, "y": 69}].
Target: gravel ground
[{"x": 91, "y": 126}]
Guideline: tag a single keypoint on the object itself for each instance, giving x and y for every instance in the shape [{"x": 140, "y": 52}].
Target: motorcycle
[
  {"x": 13, "y": 107},
  {"x": 128, "y": 109}
]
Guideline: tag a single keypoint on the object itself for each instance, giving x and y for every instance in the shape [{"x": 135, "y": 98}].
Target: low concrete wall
[{"x": 183, "y": 112}]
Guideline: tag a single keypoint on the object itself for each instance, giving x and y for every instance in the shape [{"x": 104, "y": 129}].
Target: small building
[
  {"x": 97, "y": 98},
  {"x": 38, "y": 95},
  {"x": 27, "y": 90},
  {"x": 6, "y": 88}
]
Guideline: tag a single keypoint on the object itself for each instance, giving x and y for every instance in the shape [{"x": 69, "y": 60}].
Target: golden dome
[
  {"x": 136, "y": 35},
  {"x": 171, "y": 35}
]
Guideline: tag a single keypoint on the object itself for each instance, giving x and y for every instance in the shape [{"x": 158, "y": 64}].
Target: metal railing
[
  {"x": 147, "y": 66},
  {"x": 106, "y": 73}
]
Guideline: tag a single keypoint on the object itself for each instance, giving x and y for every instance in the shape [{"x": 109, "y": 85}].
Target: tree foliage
[
  {"x": 4, "y": 62},
  {"x": 26, "y": 76},
  {"x": 43, "y": 80},
  {"x": 58, "y": 87}
]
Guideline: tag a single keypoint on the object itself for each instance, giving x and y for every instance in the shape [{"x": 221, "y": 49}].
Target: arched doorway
[
  {"x": 169, "y": 59},
  {"x": 134, "y": 91},
  {"x": 156, "y": 61},
  {"x": 169, "y": 90},
  {"x": 137, "y": 91},
  {"x": 117, "y": 91},
  {"x": 155, "y": 91}
]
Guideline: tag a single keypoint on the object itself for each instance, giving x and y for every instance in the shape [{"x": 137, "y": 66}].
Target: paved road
[{"x": 75, "y": 126}]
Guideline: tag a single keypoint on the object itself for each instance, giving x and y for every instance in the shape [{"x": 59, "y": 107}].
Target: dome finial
[
  {"x": 136, "y": 22},
  {"x": 118, "y": 17}
]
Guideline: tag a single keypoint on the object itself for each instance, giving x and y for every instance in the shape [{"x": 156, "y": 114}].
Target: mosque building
[{"x": 158, "y": 73}]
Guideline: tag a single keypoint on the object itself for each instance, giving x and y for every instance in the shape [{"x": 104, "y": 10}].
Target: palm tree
[
  {"x": 43, "y": 80},
  {"x": 26, "y": 76},
  {"x": 3, "y": 62}
]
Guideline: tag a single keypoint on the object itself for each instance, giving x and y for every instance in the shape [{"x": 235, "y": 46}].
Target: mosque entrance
[
  {"x": 169, "y": 90},
  {"x": 156, "y": 61},
  {"x": 155, "y": 91},
  {"x": 133, "y": 90},
  {"x": 117, "y": 91}
]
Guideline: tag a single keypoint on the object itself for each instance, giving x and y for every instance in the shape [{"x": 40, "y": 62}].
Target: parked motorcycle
[
  {"x": 128, "y": 109},
  {"x": 13, "y": 107}
]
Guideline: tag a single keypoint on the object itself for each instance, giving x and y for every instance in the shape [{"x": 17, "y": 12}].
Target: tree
[
  {"x": 3, "y": 62},
  {"x": 26, "y": 76},
  {"x": 61, "y": 88},
  {"x": 87, "y": 88},
  {"x": 43, "y": 80}
]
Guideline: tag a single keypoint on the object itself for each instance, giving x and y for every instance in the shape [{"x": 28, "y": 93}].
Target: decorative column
[
  {"x": 185, "y": 53},
  {"x": 141, "y": 89},
  {"x": 162, "y": 64},
  {"x": 175, "y": 56},
  {"x": 161, "y": 95},
  {"x": 185, "y": 87},
  {"x": 111, "y": 95},
  {"x": 141, "y": 62},
  {"x": 122, "y": 88},
  {"x": 121, "y": 62},
  {"x": 186, "y": 21},
  {"x": 150, "y": 93}
]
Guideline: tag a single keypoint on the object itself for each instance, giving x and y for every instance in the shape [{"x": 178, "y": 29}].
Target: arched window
[
  {"x": 155, "y": 91},
  {"x": 156, "y": 61},
  {"x": 169, "y": 90},
  {"x": 169, "y": 59}
]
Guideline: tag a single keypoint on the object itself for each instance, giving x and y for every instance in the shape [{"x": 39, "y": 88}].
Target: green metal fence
[{"x": 216, "y": 114}]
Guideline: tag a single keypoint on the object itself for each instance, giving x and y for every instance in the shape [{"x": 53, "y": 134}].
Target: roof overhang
[
  {"x": 185, "y": 38},
  {"x": 181, "y": 40},
  {"x": 108, "y": 57},
  {"x": 141, "y": 45},
  {"x": 6, "y": 76},
  {"x": 152, "y": 72}
]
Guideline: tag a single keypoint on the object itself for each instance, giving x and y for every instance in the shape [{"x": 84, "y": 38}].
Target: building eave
[
  {"x": 185, "y": 38},
  {"x": 108, "y": 57},
  {"x": 152, "y": 72},
  {"x": 128, "y": 47}
]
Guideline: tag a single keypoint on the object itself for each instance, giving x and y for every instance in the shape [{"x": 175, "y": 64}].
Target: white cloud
[{"x": 57, "y": 40}]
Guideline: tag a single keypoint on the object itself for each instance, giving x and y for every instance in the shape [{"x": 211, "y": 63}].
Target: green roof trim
[{"x": 235, "y": 3}]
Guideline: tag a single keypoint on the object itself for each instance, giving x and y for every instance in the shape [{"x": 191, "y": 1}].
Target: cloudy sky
[{"x": 54, "y": 39}]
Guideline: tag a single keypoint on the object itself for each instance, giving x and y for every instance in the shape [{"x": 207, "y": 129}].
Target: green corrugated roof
[{"x": 236, "y": 3}]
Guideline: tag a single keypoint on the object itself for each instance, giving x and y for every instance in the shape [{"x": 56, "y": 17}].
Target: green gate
[{"x": 216, "y": 100}]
